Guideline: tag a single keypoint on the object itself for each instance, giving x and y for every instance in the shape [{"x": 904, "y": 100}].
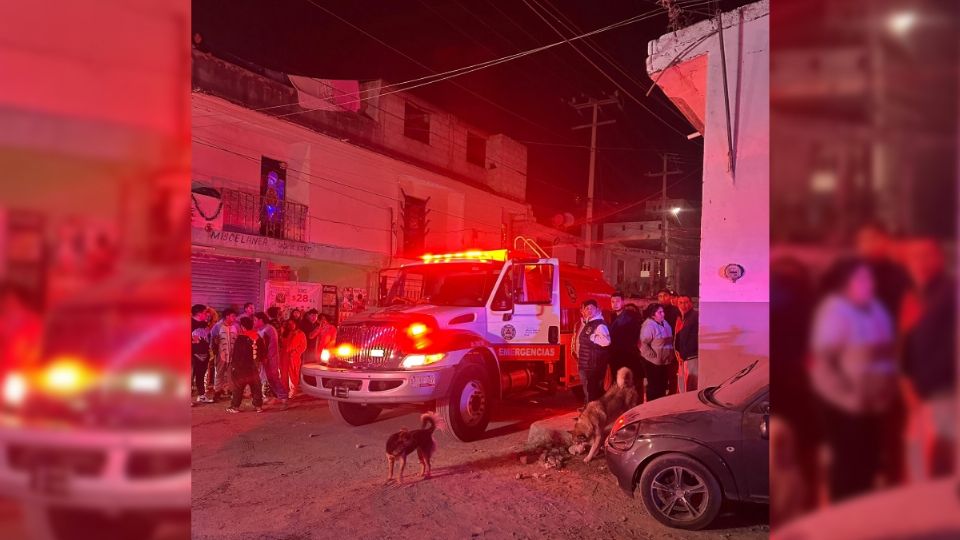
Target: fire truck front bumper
[
  {"x": 354, "y": 386},
  {"x": 95, "y": 470}
]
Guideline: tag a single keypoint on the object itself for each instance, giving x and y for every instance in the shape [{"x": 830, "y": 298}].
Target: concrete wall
[
  {"x": 734, "y": 326},
  {"x": 353, "y": 194}
]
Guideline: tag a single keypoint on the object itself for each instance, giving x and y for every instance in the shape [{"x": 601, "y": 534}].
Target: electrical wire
[{"x": 450, "y": 74}]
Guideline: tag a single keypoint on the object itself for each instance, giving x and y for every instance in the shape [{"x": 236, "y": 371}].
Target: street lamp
[
  {"x": 675, "y": 210},
  {"x": 901, "y": 23}
]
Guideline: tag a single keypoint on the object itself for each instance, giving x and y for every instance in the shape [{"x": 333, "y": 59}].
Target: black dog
[{"x": 403, "y": 442}]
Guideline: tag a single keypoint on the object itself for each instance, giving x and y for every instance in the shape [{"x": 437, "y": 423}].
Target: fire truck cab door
[{"x": 525, "y": 303}]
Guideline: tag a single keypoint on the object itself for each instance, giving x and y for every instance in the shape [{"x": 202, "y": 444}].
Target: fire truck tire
[
  {"x": 353, "y": 414},
  {"x": 578, "y": 392},
  {"x": 78, "y": 524},
  {"x": 466, "y": 410}
]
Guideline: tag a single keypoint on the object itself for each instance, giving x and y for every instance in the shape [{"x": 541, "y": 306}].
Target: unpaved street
[{"x": 298, "y": 475}]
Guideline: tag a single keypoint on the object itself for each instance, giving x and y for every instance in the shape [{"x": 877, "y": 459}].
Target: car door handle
[{"x": 507, "y": 316}]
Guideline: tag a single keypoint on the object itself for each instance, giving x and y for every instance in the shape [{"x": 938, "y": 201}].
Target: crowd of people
[
  {"x": 659, "y": 345},
  {"x": 249, "y": 351},
  {"x": 863, "y": 369}
]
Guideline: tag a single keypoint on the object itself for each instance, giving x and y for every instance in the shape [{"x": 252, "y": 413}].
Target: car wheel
[
  {"x": 466, "y": 409},
  {"x": 354, "y": 414},
  {"x": 680, "y": 492}
]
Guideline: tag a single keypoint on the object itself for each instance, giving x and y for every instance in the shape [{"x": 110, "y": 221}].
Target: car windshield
[
  {"x": 743, "y": 385},
  {"x": 447, "y": 284}
]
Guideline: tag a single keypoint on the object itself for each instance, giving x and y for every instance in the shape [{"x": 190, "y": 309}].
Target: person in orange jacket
[{"x": 294, "y": 344}]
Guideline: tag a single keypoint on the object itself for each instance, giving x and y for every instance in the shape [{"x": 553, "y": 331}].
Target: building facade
[
  {"x": 735, "y": 222},
  {"x": 318, "y": 185}
]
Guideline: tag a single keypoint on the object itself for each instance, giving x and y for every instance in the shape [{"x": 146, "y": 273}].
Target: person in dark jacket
[
  {"x": 929, "y": 363},
  {"x": 624, "y": 336},
  {"x": 248, "y": 352},
  {"x": 671, "y": 314},
  {"x": 686, "y": 344},
  {"x": 200, "y": 350}
]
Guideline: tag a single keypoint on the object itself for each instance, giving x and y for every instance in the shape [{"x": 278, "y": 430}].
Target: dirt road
[{"x": 299, "y": 475}]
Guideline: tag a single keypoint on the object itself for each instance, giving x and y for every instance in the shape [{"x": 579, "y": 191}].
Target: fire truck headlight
[
  {"x": 416, "y": 360},
  {"x": 325, "y": 355},
  {"x": 417, "y": 330},
  {"x": 145, "y": 382},
  {"x": 68, "y": 376},
  {"x": 14, "y": 389}
]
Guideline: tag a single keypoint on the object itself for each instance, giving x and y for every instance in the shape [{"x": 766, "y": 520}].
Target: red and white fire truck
[{"x": 462, "y": 330}]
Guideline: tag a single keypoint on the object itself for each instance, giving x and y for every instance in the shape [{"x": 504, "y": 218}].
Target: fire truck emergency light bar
[{"x": 482, "y": 256}]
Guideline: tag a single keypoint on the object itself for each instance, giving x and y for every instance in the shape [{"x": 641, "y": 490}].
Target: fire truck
[{"x": 458, "y": 331}]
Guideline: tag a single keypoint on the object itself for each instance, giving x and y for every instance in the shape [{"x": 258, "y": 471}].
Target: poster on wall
[
  {"x": 329, "y": 302},
  {"x": 353, "y": 300},
  {"x": 288, "y": 295}
]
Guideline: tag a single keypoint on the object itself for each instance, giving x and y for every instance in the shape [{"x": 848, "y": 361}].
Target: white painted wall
[
  {"x": 349, "y": 190},
  {"x": 734, "y": 326}
]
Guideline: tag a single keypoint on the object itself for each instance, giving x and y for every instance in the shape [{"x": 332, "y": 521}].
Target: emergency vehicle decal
[
  {"x": 528, "y": 352},
  {"x": 508, "y": 332}
]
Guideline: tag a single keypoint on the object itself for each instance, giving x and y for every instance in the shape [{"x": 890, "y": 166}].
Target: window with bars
[{"x": 243, "y": 210}]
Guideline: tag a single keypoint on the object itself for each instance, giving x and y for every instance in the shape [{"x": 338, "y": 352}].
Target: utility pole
[
  {"x": 595, "y": 105},
  {"x": 664, "y": 224}
]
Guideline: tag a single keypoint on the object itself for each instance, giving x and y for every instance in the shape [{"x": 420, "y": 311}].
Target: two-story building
[{"x": 324, "y": 183}]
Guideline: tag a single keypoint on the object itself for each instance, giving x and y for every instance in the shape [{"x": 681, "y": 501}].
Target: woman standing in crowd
[
  {"x": 656, "y": 348},
  {"x": 854, "y": 377}
]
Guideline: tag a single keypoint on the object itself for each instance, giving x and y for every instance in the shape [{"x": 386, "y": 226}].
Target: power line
[
  {"x": 598, "y": 68},
  {"x": 452, "y": 141},
  {"x": 574, "y": 29},
  {"x": 312, "y": 175},
  {"x": 401, "y": 53},
  {"x": 450, "y": 74}
]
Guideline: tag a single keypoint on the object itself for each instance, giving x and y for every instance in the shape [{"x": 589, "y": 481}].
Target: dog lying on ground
[
  {"x": 594, "y": 421},
  {"x": 404, "y": 442}
]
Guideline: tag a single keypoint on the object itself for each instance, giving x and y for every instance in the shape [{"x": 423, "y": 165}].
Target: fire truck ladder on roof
[{"x": 532, "y": 245}]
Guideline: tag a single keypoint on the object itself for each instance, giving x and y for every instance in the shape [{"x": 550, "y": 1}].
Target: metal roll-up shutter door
[{"x": 222, "y": 282}]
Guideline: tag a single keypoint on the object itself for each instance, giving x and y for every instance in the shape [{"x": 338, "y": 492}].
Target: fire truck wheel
[
  {"x": 354, "y": 414},
  {"x": 578, "y": 392},
  {"x": 467, "y": 408}
]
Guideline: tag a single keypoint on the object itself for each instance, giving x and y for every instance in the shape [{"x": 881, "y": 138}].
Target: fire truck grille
[{"x": 376, "y": 346}]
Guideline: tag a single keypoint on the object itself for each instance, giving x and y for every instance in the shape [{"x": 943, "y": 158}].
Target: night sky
[{"x": 527, "y": 99}]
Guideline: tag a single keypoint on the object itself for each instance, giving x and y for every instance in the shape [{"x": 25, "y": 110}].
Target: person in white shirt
[
  {"x": 656, "y": 348},
  {"x": 593, "y": 347}
]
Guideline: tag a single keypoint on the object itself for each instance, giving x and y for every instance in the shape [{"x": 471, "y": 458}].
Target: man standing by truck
[{"x": 594, "y": 350}]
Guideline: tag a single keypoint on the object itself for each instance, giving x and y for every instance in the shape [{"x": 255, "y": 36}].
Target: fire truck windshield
[{"x": 447, "y": 284}]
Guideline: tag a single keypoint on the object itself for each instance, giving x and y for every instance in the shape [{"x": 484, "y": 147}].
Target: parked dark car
[{"x": 689, "y": 452}]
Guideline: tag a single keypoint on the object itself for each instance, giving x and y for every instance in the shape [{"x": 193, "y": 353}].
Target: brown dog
[
  {"x": 595, "y": 420},
  {"x": 404, "y": 442}
]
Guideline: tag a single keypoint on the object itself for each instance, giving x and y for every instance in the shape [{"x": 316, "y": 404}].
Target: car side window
[{"x": 503, "y": 298}]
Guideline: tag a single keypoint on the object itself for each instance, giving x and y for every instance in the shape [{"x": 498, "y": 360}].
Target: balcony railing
[{"x": 247, "y": 212}]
